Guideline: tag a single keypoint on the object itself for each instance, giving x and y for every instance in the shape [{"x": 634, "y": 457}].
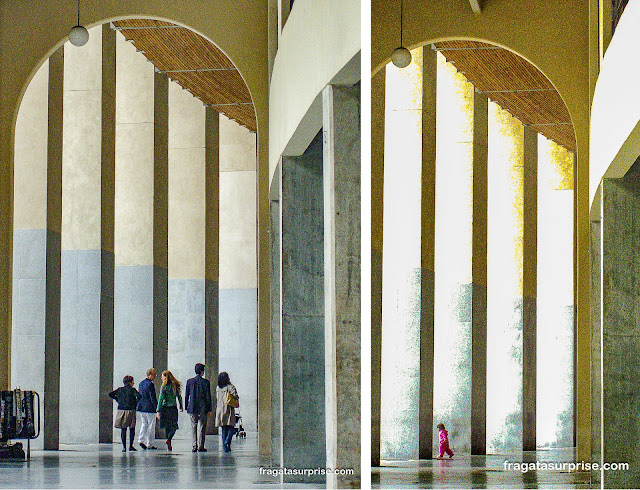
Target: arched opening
[
  {"x": 477, "y": 260},
  {"x": 134, "y": 224}
]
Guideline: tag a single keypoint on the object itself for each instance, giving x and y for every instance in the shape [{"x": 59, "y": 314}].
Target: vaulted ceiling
[
  {"x": 195, "y": 64},
  {"x": 514, "y": 84}
]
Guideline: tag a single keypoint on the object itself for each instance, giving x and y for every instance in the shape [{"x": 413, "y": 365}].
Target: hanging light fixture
[
  {"x": 78, "y": 35},
  {"x": 401, "y": 57}
]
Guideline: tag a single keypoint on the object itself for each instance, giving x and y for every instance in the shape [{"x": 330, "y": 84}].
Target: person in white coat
[{"x": 225, "y": 413}]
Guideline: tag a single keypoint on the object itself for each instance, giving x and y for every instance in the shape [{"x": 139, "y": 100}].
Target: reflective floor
[
  {"x": 105, "y": 466},
  {"x": 466, "y": 471}
]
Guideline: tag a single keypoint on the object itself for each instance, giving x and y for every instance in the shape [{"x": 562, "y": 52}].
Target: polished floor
[
  {"x": 466, "y": 471},
  {"x": 105, "y": 466}
]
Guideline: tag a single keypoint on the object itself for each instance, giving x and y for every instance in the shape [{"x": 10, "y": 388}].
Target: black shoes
[
  {"x": 143, "y": 445},
  {"x": 194, "y": 450},
  {"x": 202, "y": 450},
  {"x": 131, "y": 448}
]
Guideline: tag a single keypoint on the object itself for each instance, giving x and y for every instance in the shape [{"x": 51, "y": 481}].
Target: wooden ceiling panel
[
  {"x": 195, "y": 64},
  {"x": 514, "y": 84}
]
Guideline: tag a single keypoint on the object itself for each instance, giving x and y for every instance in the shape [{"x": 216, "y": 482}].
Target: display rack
[{"x": 18, "y": 421}]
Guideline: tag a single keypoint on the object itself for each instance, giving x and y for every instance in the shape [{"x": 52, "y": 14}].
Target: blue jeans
[{"x": 227, "y": 435}]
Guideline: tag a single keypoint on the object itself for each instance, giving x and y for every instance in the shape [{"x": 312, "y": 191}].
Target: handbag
[{"x": 231, "y": 400}]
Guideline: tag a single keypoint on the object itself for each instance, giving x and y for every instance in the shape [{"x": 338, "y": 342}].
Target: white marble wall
[
  {"x": 80, "y": 266},
  {"x": 186, "y": 233},
  {"x": 29, "y": 239},
  {"x": 133, "y": 322},
  {"x": 238, "y": 265}
]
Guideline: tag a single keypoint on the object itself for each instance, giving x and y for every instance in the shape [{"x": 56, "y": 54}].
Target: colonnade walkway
[
  {"x": 105, "y": 466},
  {"x": 466, "y": 471}
]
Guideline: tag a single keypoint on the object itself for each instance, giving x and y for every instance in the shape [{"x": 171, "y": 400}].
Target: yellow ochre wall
[{"x": 558, "y": 38}]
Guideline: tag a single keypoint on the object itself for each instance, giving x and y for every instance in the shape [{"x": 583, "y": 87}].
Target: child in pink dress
[{"x": 444, "y": 442}]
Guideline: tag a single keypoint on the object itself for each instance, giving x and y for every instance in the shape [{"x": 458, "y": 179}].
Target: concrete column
[
  {"x": 529, "y": 289},
  {"x": 377, "y": 191},
  {"x": 620, "y": 327},
  {"x": 341, "y": 172},
  {"x": 160, "y": 220},
  {"x": 107, "y": 250},
  {"x": 276, "y": 337},
  {"x": 51, "y": 434},
  {"x": 212, "y": 250},
  {"x": 133, "y": 286},
  {"x": 479, "y": 277},
  {"x": 30, "y": 238},
  {"x": 81, "y": 240},
  {"x": 238, "y": 269},
  {"x": 427, "y": 253},
  {"x": 595, "y": 254},
  {"x": 302, "y": 299}
]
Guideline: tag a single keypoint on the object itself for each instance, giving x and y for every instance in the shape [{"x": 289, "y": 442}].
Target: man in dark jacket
[
  {"x": 147, "y": 409},
  {"x": 198, "y": 402}
]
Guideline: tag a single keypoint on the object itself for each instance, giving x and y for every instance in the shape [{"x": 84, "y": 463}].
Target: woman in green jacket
[{"x": 167, "y": 411}]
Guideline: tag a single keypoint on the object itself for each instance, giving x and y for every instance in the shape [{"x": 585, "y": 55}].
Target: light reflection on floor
[
  {"x": 466, "y": 471},
  {"x": 105, "y": 466}
]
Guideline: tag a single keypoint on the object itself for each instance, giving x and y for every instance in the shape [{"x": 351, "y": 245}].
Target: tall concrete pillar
[
  {"x": 30, "y": 236},
  {"x": 427, "y": 251},
  {"x": 81, "y": 267},
  {"x": 51, "y": 433},
  {"x": 107, "y": 250},
  {"x": 212, "y": 249},
  {"x": 529, "y": 289},
  {"x": 238, "y": 270},
  {"x": 479, "y": 277},
  {"x": 276, "y": 330},
  {"x": 377, "y": 191},
  {"x": 160, "y": 220},
  {"x": 341, "y": 173},
  {"x": 186, "y": 235},
  {"x": 595, "y": 253},
  {"x": 620, "y": 327},
  {"x": 134, "y": 232},
  {"x": 302, "y": 300}
]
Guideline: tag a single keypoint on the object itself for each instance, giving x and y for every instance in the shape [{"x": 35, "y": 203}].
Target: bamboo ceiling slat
[
  {"x": 514, "y": 84},
  {"x": 175, "y": 49}
]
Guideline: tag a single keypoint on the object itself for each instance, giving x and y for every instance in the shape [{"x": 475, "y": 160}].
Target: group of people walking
[{"x": 164, "y": 409}]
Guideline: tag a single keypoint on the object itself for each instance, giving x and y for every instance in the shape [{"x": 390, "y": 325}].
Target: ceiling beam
[{"x": 476, "y": 6}]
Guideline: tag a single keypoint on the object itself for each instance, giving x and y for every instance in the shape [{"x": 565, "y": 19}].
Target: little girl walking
[{"x": 444, "y": 442}]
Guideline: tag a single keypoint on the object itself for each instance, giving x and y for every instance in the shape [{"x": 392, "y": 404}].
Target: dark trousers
[
  {"x": 227, "y": 435},
  {"x": 123, "y": 436}
]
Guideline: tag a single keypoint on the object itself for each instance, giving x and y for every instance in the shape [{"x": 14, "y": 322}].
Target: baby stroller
[{"x": 240, "y": 432}]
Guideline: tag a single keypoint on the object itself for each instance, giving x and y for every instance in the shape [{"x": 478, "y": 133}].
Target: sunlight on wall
[
  {"x": 504, "y": 285},
  {"x": 454, "y": 207},
  {"x": 401, "y": 263},
  {"x": 555, "y": 296}
]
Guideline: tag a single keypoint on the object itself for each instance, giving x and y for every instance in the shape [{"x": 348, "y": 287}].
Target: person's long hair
[
  {"x": 223, "y": 379},
  {"x": 169, "y": 378}
]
